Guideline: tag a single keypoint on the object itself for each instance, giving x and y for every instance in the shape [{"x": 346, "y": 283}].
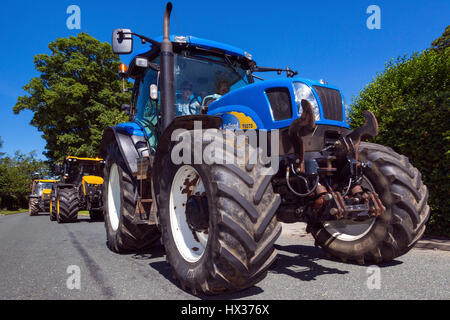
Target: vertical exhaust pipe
[{"x": 167, "y": 73}]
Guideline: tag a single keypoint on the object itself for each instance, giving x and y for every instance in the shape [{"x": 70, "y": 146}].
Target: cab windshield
[
  {"x": 201, "y": 79},
  {"x": 42, "y": 186}
]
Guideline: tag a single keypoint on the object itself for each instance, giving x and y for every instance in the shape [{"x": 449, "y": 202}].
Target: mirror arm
[{"x": 153, "y": 42}]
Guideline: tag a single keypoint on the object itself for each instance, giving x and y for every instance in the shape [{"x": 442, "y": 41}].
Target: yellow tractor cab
[
  {"x": 40, "y": 197},
  {"x": 81, "y": 189}
]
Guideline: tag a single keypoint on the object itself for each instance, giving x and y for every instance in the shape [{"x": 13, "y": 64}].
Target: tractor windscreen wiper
[
  {"x": 289, "y": 72},
  {"x": 230, "y": 64}
]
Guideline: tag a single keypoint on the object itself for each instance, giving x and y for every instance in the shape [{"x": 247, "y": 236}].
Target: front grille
[
  {"x": 280, "y": 103},
  {"x": 331, "y": 103}
]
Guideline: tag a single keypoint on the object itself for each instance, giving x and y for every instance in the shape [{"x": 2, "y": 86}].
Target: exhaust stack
[{"x": 167, "y": 72}]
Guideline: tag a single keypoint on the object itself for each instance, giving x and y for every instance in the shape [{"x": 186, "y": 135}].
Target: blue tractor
[{"x": 213, "y": 158}]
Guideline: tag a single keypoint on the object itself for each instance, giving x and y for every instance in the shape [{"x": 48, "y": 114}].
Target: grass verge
[
  {"x": 6, "y": 212},
  {"x": 83, "y": 213}
]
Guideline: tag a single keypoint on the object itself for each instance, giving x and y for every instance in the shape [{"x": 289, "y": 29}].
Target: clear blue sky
[{"x": 321, "y": 39}]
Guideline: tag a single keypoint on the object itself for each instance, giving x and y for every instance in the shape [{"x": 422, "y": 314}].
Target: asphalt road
[{"x": 35, "y": 255}]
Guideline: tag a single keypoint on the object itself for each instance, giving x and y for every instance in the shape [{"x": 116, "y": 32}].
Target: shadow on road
[
  {"x": 302, "y": 266},
  {"x": 297, "y": 261},
  {"x": 165, "y": 270},
  {"x": 314, "y": 253}
]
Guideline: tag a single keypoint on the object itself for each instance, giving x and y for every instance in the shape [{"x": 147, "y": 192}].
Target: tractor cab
[
  {"x": 39, "y": 199},
  {"x": 204, "y": 71},
  {"x": 78, "y": 170},
  {"x": 42, "y": 188}
]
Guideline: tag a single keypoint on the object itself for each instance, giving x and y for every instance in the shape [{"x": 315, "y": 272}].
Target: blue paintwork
[
  {"x": 203, "y": 43},
  {"x": 252, "y": 101},
  {"x": 132, "y": 128}
]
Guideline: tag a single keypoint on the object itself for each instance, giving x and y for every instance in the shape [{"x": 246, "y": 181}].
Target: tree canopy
[
  {"x": 411, "y": 100},
  {"x": 16, "y": 175},
  {"x": 76, "y": 96}
]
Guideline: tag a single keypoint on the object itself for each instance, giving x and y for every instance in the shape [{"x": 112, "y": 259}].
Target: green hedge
[{"x": 410, "y": 99}]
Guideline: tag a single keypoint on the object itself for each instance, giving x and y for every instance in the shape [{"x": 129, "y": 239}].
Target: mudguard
[{"x": 131, "y": 141}]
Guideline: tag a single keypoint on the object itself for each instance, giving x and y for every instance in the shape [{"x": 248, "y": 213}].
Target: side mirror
[{"x": 122, "y": 41}]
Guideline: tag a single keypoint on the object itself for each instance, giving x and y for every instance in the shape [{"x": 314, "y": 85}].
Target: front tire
[
  {"x": 242, "y": 227},
  {"x": 120, "y": 193},
  {"x": 400, "y": 188},
  {"x": 67, "y": 205},
  {"x": 33, "y": 206}
]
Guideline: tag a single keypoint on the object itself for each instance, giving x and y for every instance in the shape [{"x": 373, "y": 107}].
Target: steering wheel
[{"x": 195, "y": 108}]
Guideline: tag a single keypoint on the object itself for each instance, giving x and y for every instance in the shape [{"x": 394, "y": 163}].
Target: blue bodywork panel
[
  {"x": 132, "y": 128},
  {"x": 252, "y": 101},
  {"x": 203, "y": 43}
]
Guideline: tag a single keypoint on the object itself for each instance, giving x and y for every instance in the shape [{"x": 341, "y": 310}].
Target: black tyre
[
  {"x": 120, "y": 193},
  {"x": 67, "y": 205},
  {"x": 96, "y": 214},
  {"x": 52, "y": 213},
  {"x": 33, "y": 206},
  {"x": 400, "y": 188},
  {"x": 237, "y": 248}
]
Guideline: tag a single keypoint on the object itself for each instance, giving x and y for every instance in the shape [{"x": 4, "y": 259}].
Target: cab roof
[
  {"x": 43, "y": 180},
  {"x": 204, "y": 44}
]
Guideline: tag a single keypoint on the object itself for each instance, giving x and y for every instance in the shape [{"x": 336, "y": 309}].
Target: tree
[
  {"x": 443, "y": 41},
  {"x": 1, "y": 146},
  {"x": 411, "y": 100},
  {"x": 76, "y": 96},
  {"x": 16, "y": 175}
]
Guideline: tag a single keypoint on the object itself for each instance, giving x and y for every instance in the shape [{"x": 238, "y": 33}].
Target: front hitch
[{"x": 350, "y": 143}]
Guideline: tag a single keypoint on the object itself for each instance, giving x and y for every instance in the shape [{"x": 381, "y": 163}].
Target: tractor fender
[
  {"x": 182, "y": 122},
  {"x": 131, "y": 141}
]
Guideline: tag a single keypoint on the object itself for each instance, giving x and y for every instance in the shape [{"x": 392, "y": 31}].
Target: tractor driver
[
  {"x": 186, "y": 104},
  {"x": 223, "y": 87}
]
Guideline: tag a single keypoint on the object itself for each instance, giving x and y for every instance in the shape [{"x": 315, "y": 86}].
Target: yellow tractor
[
  {"x": 39, "y": 199},
  {"x": 81, "y": 189}
]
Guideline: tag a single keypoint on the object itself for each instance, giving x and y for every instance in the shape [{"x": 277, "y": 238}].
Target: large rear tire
[
  {"x": 400, "y": 188},
  {"x": 33, "y": 206},
  {"x": 120, "y": 193},
  {"x": 67, "y": 205},
  {"x": 237, "y": 249}
]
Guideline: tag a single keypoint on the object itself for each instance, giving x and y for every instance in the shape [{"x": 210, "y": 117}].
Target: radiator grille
[
  {"x": 280, "y": 103},
  {"x": 331, "y": 103}
]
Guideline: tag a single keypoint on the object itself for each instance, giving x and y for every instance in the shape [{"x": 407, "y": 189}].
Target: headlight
[{"x": 302, "y": 91}]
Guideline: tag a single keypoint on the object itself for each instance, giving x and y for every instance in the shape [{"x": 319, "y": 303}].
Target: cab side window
[{"x": 147, "y": 108}]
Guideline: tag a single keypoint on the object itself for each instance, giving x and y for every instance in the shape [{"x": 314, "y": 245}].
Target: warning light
[{"x": 123, "y": 68}]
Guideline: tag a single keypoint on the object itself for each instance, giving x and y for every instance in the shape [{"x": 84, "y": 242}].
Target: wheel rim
[
  {"x": 190, "y": 244},
  {"x": 347, "y": 230},
  {"x": 114, "y": 197}
]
